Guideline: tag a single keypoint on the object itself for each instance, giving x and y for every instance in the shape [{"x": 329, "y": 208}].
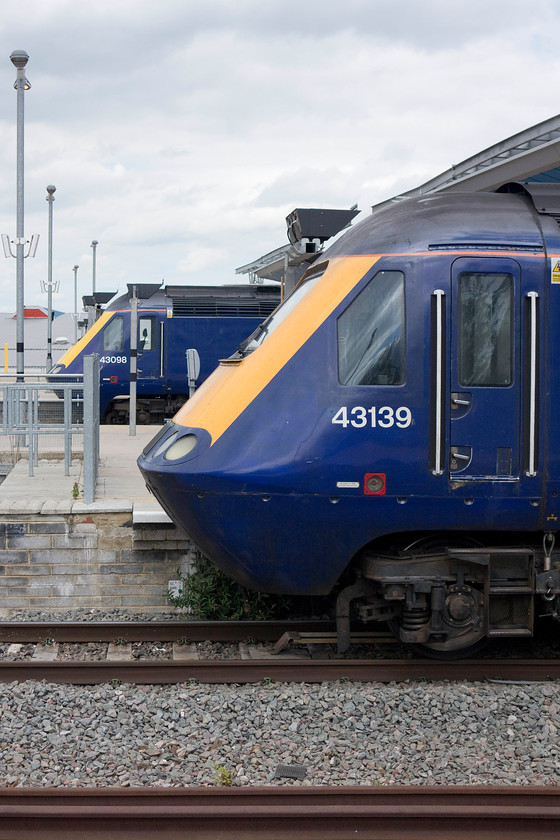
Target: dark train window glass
[
  {"x": 371, "y": 343},
  {"x": 305, "y": 285},
  {"x": 485, "y": 329},
  {"x": 146, "y": 333},
  {"x": 113, "y": 334}
]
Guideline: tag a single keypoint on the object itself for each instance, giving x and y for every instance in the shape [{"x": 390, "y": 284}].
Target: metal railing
[
  {"x": 35, "y": 357},
  {"x": 32, "y": 410}
]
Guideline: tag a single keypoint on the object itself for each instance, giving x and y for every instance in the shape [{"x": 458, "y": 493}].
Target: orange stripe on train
[{"x": 232, "y": 388}]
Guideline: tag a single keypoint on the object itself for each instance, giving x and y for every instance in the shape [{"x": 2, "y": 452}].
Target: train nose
[{"x": 237, "y": 517}]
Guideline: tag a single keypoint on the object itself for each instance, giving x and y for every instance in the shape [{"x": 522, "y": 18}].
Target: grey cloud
[{"x": 180, "y": 134}]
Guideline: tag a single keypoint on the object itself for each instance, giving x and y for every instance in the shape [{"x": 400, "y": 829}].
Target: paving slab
[{"x": 120, "y": 486}]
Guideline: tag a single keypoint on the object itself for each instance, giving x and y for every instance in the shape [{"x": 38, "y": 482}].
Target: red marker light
[
  {"x": 113, "y": 380},
  {"x": 374, "y": 484}
]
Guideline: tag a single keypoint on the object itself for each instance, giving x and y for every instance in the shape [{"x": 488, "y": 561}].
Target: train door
[
  {"x": 493, "y": 407},
  {"x": 485, "y": 405},
  {"x": 149, "y": 355}
]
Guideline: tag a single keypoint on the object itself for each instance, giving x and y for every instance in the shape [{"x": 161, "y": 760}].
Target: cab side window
[
  {"x": 371, "y": 334},
  {"x": 146, "y": 333},
  {"x": 113, "y": 335}
]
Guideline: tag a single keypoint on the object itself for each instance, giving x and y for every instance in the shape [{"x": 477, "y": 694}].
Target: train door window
[
  {"x": 485, "y": 329},
  {"x": 146, "y": 333},
  {"x": 371, "y": 334},
  {"x": 113, "y": 334}
]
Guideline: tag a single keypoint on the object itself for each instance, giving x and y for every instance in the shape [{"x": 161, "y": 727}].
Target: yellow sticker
[{"x": 555, "y": 273}]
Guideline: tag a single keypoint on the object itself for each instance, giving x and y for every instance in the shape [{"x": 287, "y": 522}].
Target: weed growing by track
[{"x": 209, "y": 595}]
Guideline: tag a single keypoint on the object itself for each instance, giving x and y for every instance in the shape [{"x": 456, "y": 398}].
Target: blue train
[
  {"x": 392, "y": 433},
  {"x": 213, "y": 320}
]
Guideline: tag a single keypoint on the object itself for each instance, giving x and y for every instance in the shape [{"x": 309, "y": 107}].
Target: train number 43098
[{"x": 384, "y": 416}]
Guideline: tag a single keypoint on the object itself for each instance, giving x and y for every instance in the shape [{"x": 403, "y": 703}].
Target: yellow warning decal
[{"x": 555, "y": 271}]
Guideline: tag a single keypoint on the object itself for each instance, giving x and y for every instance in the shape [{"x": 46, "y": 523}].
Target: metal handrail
[
  {"x": 531, "y": 470},
  {"x": 439, "y": 295}
]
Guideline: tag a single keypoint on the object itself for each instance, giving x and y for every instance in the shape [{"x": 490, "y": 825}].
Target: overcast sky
[{"x": 179, "y": 134}]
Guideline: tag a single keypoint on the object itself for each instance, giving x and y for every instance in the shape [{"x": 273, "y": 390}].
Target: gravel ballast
[{"x": 338, "y": 733}]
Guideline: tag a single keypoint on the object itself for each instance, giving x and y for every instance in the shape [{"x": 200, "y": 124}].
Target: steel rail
[
  {"x": 162, "y": 631},
  {"x": 281, "y": 813},
  {"x": 240, "y": 671}
]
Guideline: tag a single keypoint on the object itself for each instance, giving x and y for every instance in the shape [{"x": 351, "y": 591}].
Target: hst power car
[
  {"x": 213, "y": 320},
  {"x": 392, "y": 431}
]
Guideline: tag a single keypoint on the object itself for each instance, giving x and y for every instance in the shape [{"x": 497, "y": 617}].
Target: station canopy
[{"x": 531, "y": 155}]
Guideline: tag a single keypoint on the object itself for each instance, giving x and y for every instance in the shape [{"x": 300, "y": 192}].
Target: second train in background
[{"x": 213, "y": 320}]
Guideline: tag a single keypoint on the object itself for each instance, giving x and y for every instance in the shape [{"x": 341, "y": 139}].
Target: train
[
  {"x": 391, "y": 434},
  {"x": 213, "y": 320}
]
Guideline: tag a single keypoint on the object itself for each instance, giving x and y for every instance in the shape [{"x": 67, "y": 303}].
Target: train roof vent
[{"x": 212, "y": 307}]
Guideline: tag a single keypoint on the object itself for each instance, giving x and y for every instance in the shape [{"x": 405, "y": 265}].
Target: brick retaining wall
[{"x": 93, "y": 561}]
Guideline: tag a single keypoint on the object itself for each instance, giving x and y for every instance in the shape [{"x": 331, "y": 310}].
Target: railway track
[
  {"x": 316, "y": 813},
  {"x": 238, "y": 671},
  {"x": 130, "y": 631},
  {"x": 246, "y": 661}
]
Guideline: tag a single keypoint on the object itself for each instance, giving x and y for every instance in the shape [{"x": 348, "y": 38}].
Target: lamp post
[
  {"x": 19, "y": 59},
  {"x": 51, "y": 189},
  {"x": 76, "y": 267},
  {"x": 94, "y": 245}
]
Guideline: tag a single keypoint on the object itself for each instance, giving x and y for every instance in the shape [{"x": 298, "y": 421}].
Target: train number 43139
[{"x": 384, "y": 417}]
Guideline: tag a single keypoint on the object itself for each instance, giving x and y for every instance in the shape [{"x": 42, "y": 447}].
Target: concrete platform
[{"x": 120, "y": 487}]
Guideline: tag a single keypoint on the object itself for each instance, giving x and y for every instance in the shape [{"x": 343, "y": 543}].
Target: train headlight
[
  {"x": 180, "y": 448},
  {"x": 159, "y": 450}
]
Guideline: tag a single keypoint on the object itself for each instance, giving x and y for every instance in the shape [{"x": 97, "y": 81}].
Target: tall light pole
[
  {"x": 76, "y": 267},
  {"x": 94, "y": 245},
  {"x": 51, "y": 189},
  {"x": 19, "y": 59}
]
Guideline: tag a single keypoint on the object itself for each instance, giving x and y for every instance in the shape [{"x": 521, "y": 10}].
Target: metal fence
[
  {"x": 54, "y": 417},
  {"x": 35, "y": 357}
]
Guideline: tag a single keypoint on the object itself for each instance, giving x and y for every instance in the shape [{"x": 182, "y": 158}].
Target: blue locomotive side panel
[{"x": 394, "y": 423}]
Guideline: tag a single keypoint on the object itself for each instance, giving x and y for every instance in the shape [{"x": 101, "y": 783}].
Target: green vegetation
[
  {"x": 209, "y": 595},
  {"x": 222, "y": 776}
]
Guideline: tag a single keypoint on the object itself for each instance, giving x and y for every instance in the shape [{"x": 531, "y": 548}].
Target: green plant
[
  {"x": 222, "y": 776},
  {"x": 209, "y": 595},
  {"x": 75, "y": 490}
]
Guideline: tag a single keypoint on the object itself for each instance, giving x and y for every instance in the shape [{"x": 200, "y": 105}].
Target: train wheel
[
  {"x": 462, "y": 642},
  {"x": 115, "y": 418},
  {"x": 454, "y": 648}
]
